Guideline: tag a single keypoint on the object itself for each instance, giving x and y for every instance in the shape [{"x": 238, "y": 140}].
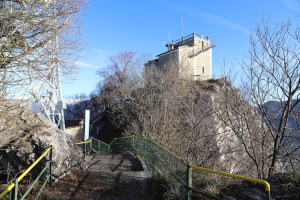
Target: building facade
[{"x": 190, "y": 55}]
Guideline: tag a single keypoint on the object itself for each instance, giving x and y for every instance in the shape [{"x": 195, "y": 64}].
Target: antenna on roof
[{"x": 181, "y": 27}]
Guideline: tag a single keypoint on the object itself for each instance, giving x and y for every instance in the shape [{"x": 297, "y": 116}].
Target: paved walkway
[{"x": 111, "y": 176}]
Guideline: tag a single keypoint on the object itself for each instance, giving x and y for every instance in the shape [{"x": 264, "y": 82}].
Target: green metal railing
[
  {"x": 94, "y": 145},
  {"x": 14, "y": 187},
  {"x": 177, "y": 172},
  {"x": 99, "y": 146},
  {"x": 87, "y": 147}
]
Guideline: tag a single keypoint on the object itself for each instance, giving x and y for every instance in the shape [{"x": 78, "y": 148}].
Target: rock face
[
  {"x": 242, "y": 138},
  {"x": 217, "y": 128},
  {"x": 25, "y": 136}
]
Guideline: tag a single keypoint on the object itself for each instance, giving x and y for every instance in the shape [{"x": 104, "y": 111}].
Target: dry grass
[
  {"x": 287, "y": 185},
  {"x": 157, "y": 189}
]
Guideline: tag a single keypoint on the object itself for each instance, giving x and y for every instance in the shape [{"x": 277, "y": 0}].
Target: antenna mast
[{"x": 181, "y": 27}]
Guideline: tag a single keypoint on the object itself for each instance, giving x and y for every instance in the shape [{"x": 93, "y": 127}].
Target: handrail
[
  {"x": 9, "y": 188},
  {"x": 83, "y": 142},
  {"x": 185, "y": 38},
  {"x": 267, "y": 185},
  {"x": 152, "y": 142},
  {"x": 85, "y": 146},
  {"x": 172, "y": 172},
  {"x": 173, "y": 154},
  {"x": 188, "y": 37},
  {"x": 120, "y": 138},
  {"x": 101, "y": 142}
]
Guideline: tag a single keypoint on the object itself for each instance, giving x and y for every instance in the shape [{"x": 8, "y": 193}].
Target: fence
[
  {"x": 94, "y": 145},
  {"x": 13, "y": 188},
  {"x": 87, "y": 147},
  {"x": 177, "y": 172}
]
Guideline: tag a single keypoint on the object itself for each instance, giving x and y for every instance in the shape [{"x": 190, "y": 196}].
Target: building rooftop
[{"x": 186, "y": 40}]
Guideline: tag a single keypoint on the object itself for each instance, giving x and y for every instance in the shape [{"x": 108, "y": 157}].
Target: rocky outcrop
[
  {"x": 25, "y": 136},
  {"x": 230, "y": 134}
]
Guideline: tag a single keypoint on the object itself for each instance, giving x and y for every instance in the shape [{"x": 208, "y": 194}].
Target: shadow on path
[{"x": 108, "y": 176}]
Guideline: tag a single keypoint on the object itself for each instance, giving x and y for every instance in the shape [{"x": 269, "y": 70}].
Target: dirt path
[{"x": 110, "y": 176}]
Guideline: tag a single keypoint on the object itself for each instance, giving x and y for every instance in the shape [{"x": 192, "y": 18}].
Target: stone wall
[{"x": 76, "y": 131}]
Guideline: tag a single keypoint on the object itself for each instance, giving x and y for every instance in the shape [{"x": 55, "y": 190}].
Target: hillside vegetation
[{"x": 213, "y": 123}]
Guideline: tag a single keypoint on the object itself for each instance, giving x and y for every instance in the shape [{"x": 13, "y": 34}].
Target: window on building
[{"x": 202, "y": 69}]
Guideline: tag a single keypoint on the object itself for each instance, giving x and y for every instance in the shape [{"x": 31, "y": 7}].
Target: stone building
[{"x": 192, "y": 55}]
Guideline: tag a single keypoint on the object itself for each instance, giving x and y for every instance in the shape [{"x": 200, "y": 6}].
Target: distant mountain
[
  {"x": 274, "y": 111},
  {"x": 76, "y": 107},
  {"x": 292, "y": 135}
]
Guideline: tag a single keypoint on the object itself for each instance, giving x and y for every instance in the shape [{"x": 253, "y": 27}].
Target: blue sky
[{"x": 143, "y": 26}]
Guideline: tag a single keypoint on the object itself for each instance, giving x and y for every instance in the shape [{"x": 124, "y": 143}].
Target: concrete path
[{"x": 109, "y": 176}]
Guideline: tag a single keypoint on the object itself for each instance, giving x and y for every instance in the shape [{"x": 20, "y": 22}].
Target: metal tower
[{"x": 36, "y": 75}]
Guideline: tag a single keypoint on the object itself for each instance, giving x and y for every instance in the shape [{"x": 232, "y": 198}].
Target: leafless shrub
[{"x": 35, "y": 36}]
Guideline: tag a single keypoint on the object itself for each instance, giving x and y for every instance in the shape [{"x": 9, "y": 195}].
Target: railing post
[
  {"x": 152, "y": 159},
  {"x": 50, "y": 166},
  {"x": 268, "y": 195},
  {"x": 91, "y": 145},
  {"x": 132, "y": 144},
  {"x": 16, "y": 189},
  {"x": 189, "y": 176},
  {"x": 11, "y": 194},
  {"x": 84, "y": 154},
  {"x": 144, "y": 151}
]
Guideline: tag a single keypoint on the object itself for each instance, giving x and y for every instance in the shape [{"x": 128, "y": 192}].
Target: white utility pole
[{"x": 86, "y": 125}]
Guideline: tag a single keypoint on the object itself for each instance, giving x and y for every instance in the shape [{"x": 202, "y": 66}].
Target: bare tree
[
  {"x": 120, "y": 78},
  {"x": 273, "y": 72},
  {"x": 37, "y": 35},
  {"x": 28, "y": 26},
  {"x": 39, "y": 42},
  {"x": 208, "y": 122},
  {"x": 243, "y": 131},
  {"x": 161, "y": 107},
  {"x": 268, "y": 134}
]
